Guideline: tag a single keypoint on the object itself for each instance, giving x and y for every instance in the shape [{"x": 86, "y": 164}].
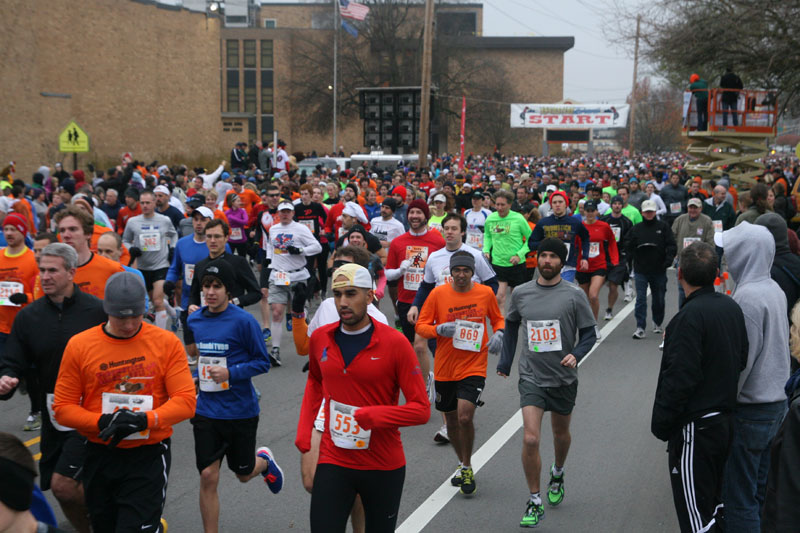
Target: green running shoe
[
  {"x": 456, "y": 479},
  {"x": 555, "y": 490},
  {"x": 534, "y": 514},
  {"x": 467, "y": 481}
]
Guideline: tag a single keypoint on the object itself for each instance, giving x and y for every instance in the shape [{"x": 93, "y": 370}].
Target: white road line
[{"x": 436, "y": 501}]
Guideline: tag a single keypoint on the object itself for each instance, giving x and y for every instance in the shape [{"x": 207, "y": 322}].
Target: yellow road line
[{"x": 33, "y": 441}]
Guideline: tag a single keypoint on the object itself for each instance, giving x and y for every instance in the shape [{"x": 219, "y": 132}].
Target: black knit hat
[{"x": 557, "y": 246}]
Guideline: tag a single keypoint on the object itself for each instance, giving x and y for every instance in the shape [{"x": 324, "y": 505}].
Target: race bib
[
  {"x": 444, "y": 276},
  {"x": 617, "y": 232},
  {"x": 717, "y": 226},
  {"x": 345, "y": 431},
  {"x": 204, "y": 363},
  {"x": 412, "y": 278},
  {"x": 52, "y": 413},
  {"x": 236, "y": 234},
  {"x": 319, "y": 422},
  {"x": 475, "y": 239},
  {"x": 114, "y": 401},
  {"x": 281, "y": 278},
  {"x": 150, "y": 241},
  {"x": 308, "y": 223},
  {"x": 468, "y": 335},
  {"x": 544, "y": 335},
  {"x": 675, "y": 208},
  {"x": 594, "y": 249},
  {"x": 687, "y": 241},
  {"x": 7, "y": 288},
  {"x": 188, "y": 273}
]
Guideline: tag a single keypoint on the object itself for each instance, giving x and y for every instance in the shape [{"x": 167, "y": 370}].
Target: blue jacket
[
  {"x": 566, "y": 228},
  {"x": 236, "y": 335}
]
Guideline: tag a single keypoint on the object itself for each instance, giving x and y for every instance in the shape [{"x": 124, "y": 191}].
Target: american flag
[{"x": 353, "y": 10}]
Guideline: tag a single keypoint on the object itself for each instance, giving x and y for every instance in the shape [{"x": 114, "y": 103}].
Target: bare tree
[{"x": 658, "y": 118}]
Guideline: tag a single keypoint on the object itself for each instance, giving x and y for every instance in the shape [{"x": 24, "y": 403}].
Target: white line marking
[{"x": 436, "y": 501}]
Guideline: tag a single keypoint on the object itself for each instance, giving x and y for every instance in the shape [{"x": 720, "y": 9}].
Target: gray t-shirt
[
  {"x": 548, "y": 316},
  {"x": 153, "y": 236}
]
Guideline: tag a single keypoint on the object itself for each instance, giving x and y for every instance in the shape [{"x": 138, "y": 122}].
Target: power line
[{"x": 515, "y": 19}]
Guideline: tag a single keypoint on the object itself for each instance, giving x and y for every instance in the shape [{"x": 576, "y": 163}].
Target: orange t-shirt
[
  {"x": 220, "y": 215},
  {"x": 18, "y": 273},
  {"x": 444, "y": 304},
  {"x": 92, "y": 276},
  {"x": 150, "y": 365}
]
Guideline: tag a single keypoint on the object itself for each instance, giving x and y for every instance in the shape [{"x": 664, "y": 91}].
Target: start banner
[{"x": 568, "y": 116}]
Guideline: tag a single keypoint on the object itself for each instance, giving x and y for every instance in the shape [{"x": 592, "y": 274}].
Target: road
[{"x": 616, "y": 473}]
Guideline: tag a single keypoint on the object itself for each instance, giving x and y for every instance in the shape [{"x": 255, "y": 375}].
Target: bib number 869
[{"x": 468, "y": 334}]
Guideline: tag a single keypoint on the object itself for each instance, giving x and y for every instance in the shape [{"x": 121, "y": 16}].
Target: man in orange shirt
[
  {"x": 123, "y": 385},
  {"x": 75, "y": 227},
  {"x": 249, "y": 198},
  {"x": 455, "y": 314}
]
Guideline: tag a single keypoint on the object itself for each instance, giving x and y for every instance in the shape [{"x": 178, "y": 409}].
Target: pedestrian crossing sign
[{"x": 73, "y": 139}]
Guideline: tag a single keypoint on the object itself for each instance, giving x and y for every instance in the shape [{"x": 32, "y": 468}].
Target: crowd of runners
[{"x": 122, "y": 313}]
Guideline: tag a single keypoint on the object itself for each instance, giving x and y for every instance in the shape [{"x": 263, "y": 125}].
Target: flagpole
[{"x": 335, "y": 61}]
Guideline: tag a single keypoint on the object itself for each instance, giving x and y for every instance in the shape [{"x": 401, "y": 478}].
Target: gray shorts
[
  {"x": 281, "y": 294},
  {"x": 560, "y": 400}
]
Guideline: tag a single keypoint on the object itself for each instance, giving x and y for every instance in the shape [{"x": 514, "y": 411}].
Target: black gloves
[
  {"x": 18, "y": 298},
  {"x": 294, "y": 250},
  {"x": 135, "y": 252},
  {"x": 169, "y": 289},
  {"x": 299, "y": 298},
  {"x": 118, "y": 425}
]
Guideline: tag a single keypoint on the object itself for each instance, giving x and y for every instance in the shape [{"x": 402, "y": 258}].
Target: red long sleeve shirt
[
  {"x": 602, "y": 246},
  {"x": 372, "y": 382}
]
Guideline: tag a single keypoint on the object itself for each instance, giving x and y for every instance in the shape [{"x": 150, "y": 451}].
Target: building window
[
  {"x": 250, "y": 91},
  {"x": 267, "y": 92},
  {"x": 232, "y": 48},
  {"x": 233, "y": 91},
  {"x": 270, "y": 24},
  {"x": 267, "y": 126},
  {"x": 266, "y": 54},
  {"x": 249, "y": 54},
  {"x": 252, "y": 134}
]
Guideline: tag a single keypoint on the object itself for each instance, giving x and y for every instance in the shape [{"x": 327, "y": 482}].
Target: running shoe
[
  {"x": 467, "y": 481},
  {"x": 275, "y": 357},
  {"x": 638, "y": 334},
  {"x": 598, "y": 334},
  {"x": 430, "y": 388},
  {"x": 288, "y": 322},
  {"x": 273, "y": 475},
  {"x": 441, "y": 435},
  {"x": 164, "y": 526},
  {"x": 608, "y": 316},
  {"x": 267, "y": 334},
  {"x": 555, "y": 490},
  {"x": 658, "y": 330},
  {"x": 33, "y": 422},
  {"x": 661, "y": 346},
  {"x": 397, "y": 325},
  {"x": 456, "y": 479},
  {"x": 534, "y": 514}
]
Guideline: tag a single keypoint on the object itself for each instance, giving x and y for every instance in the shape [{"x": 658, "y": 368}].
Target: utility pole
[
  {"x": 425, "y": 104},
  {"x": 335, "y": 73},
  {"x": 633, "y": 93}
]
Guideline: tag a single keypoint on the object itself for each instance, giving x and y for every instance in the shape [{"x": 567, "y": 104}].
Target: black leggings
[
  {"x": 335, "y": 489},
  {"x": 239, "y": 248}
]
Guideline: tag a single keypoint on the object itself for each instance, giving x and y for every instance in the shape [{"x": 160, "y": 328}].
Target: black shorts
[
  {"x": 618, "y": 274},
  {"x": 263, "y": 277},
  {"x": 513, "y": 275},
  {"x": 151, "y": 276},
  {"x": 125, "y": 487},
  {"x": 582, "y": 278},
  {"x": 233, "y": 439},
  {"x": 402, "y": 315},
  {"x": 188, "y": 335},
  {"x": 560, "y": 400},
  {"x": 449, "y": 392},
  {"x": 63, "y": 453}
]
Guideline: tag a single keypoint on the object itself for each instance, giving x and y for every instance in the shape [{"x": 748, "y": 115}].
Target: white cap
[
  {"x": 440, "y": 198},
  {"x": 446, "y": 171},
  {"x": 162, "y": 189},
  {"x": 355, "y": 211},
  {"x": 285, "y": 205},
  {"x": 374, "y": 176},
  {"x": 649, "y": 205},
  {"x": 323, "y": 184},
  {"x": 203, "y": 210},
  {"x": 162, "y": 169},
  {"x": 356, "y": 276},
  {"x": 551, "y": 188}
]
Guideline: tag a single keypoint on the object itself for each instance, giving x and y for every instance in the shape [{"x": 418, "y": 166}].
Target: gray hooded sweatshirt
[{"x": 749, "y": 250}]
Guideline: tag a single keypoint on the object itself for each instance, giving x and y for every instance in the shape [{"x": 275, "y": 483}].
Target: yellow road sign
[
  {"x": 797, "y": 150},
  {"x": 73, "y": 139}
]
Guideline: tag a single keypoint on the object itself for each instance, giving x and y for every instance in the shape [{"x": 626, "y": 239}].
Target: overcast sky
[{"x": 594, "y": 70}]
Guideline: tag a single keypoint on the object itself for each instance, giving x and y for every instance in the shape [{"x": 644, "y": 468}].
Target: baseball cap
[
  {"x": 477, "y": 194},
  {"x": 356, "y": 276},
  {"x": 162, "y": 189},
  {"x": 695, "y": 202},
  {"x": 649, "y": 205},
  {"x": 203, "y": 210},
  {"x": 196, "y": 201},
  {"x": 440, "y": 198},
  {"x": 124, "y": 295},
  {"x": 590, "y": 205},
  {"x": 550, "y": 188},
  {"x": 285, "y": 205}
]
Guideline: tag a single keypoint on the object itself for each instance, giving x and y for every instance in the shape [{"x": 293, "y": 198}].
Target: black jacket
[
  {"x": 245, "y": 286},
  {"x": 705, "y": 349},
  {"x": 625, "y": 226},
  {"x": 729, "y": 80},
  {"x": 781, "y": 512},
  {"x": 652, "y": 246}
]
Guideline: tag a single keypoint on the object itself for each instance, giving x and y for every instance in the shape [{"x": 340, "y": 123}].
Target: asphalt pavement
[{"x": 616, "y": 472}]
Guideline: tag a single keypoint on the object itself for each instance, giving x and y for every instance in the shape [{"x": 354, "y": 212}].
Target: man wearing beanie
[
  {"x": 232, "y": 352},
  {"x": 548, "y": 366},
  {"x": 399, "y": 195},
  {"x": 406, "y": 263},
  {"x": 123, "y": 385},
  {"x": 456, "y": 314}
]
